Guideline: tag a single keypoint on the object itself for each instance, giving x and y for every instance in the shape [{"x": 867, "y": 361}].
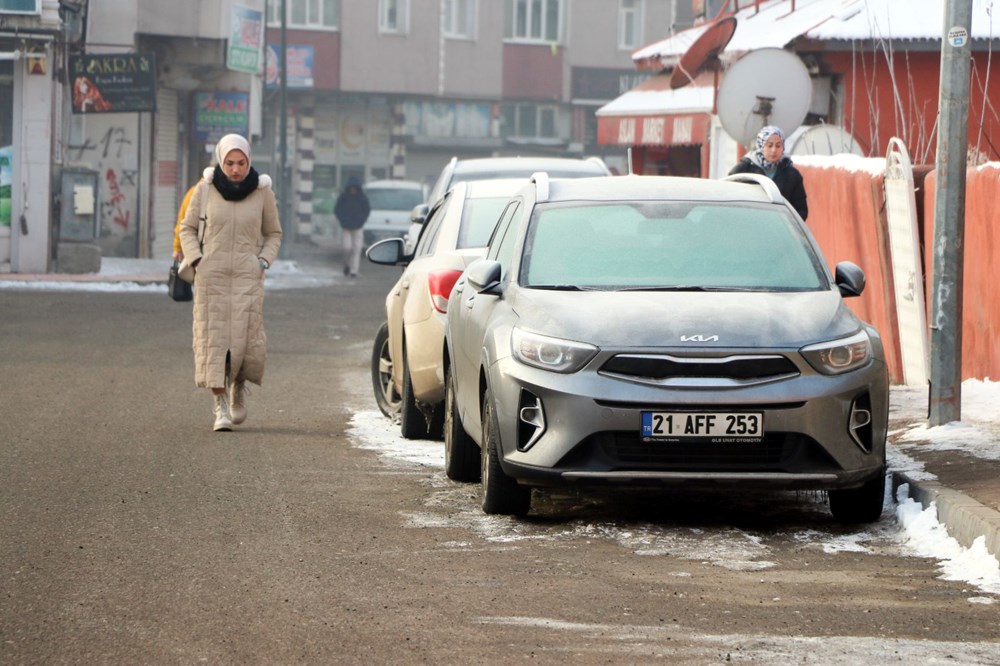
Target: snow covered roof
[
  {"x": 655, "y": 96},
  {"x": 772, "y": 23}
]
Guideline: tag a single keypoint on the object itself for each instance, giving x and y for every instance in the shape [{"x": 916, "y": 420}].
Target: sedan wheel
[
  {"x": 386, "y": 395},
  {"x": 501, "y": 494},
  {"x": 461, "y": 454},
  {"x": 412, "y": 421}
]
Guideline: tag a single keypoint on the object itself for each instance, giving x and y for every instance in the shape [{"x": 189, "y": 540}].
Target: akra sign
[{"x": 113, "y": 83}]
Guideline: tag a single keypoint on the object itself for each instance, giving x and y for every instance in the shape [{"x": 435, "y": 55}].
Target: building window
[
  {"x": 630, "y": 24},
  {"x": 305, "y": 13},
  {"x": 531, "y": 121},
  {"x": 534, "y": 20},
  {"x": 460, "y": 18},
  {"x": 393, "y": 16}
]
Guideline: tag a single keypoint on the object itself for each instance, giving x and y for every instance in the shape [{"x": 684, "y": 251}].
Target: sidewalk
[
  {"x": 956, "y": 466},
  {"x": 309, "y": 266},
  {"x": 962, "y": 481}
]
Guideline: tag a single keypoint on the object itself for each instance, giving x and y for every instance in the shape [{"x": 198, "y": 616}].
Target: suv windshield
[
  {"x": 384, "y": 198},
  {"x": 669, "y": 245}
]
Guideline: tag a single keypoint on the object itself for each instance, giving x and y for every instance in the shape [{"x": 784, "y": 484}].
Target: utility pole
[
  {"x": 948, "y": 260},
  {"x": 284, "y": 189}
]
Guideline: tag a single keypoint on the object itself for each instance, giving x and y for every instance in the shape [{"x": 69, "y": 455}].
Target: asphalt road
[{"x": 130, "y": 533}]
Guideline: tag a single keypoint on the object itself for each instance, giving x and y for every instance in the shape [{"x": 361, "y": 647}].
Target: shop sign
[
  {"x": 115, "y": 83},
  {"x": 298, "y": 62},
  {"x": 655, "y": 130},
  {"x": 246, "y": 35},
  {"x": 219, "y": 113}
]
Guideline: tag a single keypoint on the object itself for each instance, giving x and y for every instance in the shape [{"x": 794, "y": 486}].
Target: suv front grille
[{"x": 744, "y": 368}]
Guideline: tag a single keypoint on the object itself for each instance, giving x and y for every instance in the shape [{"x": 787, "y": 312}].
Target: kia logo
[{"x": 699, "y": 338}]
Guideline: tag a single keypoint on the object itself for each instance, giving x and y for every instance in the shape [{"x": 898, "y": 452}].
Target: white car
[
  {"x": 495, "y": 168},
  {"x": 391, "y": 202},
  {"x": 406, "y": 357}
]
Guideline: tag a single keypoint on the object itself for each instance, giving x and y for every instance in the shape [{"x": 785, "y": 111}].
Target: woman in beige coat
[{"x": 242, "y": 235}]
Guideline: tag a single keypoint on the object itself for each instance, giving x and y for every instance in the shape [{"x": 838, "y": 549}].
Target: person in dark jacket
[
  {"x": 769, "y": 159},
  {"x": 352, "y": 210}
]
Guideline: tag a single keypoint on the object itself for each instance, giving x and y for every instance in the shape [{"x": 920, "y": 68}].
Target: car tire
[
  {"x": 386, "y": 396},
  {"x": 859, "y": 505},
  {"x": 502, "y": 495},
  {"x": 412, "y": 421},
  {"x": 461, "y": 454}
]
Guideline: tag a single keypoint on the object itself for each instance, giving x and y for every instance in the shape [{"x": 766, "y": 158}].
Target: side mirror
[
  {"x": 850, "y": 279},
  {"x": 483, "y": 275},
  {"x": 388, "y": 252},
  {"x": 419, "y": 213}
]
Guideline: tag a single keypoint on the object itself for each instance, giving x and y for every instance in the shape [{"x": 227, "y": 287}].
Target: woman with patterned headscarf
[
  {"x": 769, "y": 160},
  {"x": 240, "y": 239}
]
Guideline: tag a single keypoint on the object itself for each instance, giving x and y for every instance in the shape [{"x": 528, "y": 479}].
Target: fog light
[
  {"x": 530, "y": 421},
  {"x": 860, "y": 423}
]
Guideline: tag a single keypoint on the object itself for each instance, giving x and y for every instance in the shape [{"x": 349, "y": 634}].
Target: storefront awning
[{"x": 654, "y": 114}]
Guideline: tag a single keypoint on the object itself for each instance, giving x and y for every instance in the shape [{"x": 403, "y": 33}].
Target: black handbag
[{"x": 178, "y": 289}]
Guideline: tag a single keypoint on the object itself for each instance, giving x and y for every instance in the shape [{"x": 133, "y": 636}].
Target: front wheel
[
  {"x": 501, "y": 494},
  {"x": 386, "y": 395},
  {"x": 859, "y": 505},
  {"x": 461, "y": 454}
]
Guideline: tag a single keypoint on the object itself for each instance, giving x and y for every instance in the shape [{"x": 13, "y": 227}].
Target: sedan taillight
[{"x": 440, "y": 284}]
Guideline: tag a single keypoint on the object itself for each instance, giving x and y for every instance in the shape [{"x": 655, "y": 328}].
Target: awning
[{"x": 653, "y": 114}]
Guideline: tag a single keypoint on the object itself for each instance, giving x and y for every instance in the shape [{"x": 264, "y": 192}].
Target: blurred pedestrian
[
  {"x": 352, "y": 210},
  {"x": 178, "y": 250},
  {"x": 769, "y": 159},
  {"x": 185, "y": 202},
  {"x": 242, "y": 235}
]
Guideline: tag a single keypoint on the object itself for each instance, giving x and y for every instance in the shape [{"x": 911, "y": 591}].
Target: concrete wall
[{"x": 30, "y": 193}]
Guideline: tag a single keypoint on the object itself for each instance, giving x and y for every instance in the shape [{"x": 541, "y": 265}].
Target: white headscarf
[{"x": 229, "y": 143}]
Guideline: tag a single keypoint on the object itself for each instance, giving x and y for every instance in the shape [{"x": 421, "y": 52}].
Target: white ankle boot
[
  {"x": 237, "y": 402},
  {"x": 223, "y": 420}
]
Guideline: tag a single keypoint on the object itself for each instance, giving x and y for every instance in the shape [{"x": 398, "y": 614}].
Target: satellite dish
[
  {"x": 822, "y": 140},
  {"x": 703, "y": 53},
  {"x": 765, "y": 87}
]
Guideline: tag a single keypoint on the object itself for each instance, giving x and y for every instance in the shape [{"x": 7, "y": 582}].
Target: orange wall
[
  {"x": 981, "y": 298},
  {"x": 847, "y": 218}
]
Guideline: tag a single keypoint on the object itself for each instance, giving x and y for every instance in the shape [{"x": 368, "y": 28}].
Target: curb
[{"x": 964, "y": 518}]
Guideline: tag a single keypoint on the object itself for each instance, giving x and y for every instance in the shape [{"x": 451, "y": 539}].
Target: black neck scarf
[{"x": 231, "y": 191}]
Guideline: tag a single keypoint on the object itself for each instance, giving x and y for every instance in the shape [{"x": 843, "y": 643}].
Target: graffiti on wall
[
  {"x": 109, "y": 146},
  {"x": 115, "y": 204}
]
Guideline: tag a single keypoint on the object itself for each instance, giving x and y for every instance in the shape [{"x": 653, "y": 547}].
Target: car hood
[{"x": 679, "y": 319}]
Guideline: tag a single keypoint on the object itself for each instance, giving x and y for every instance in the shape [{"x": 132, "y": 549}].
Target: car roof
[
  {"x": 657, "y": 188},
  {"x": 529, "y": 165},
  {"x": 493, "y": 187},
  {"x": 394, "y": 184}
]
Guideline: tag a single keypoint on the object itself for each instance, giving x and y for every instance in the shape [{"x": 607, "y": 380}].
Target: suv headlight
[
  {"x": 839, "y": 356},
  {"x": 554, "y": 354}
]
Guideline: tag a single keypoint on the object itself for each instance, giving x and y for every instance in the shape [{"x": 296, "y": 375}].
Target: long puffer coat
[{"x": 229, "y": 285}]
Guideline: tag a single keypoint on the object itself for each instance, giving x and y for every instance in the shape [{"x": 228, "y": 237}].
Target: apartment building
[
  {"x": 372, "y": 88},
  {"x": 395, "y": 88}
]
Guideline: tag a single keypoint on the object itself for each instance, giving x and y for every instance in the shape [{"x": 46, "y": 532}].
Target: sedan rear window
[{"x": 668, "y": 245}]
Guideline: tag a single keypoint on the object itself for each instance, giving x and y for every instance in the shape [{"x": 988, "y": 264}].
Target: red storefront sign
[{"x": 653, "y": 130}]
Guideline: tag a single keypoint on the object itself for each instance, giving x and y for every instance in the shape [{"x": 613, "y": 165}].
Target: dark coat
[
  {"x": 352, "y": 208},
  {"x": 787, "y": 178}
]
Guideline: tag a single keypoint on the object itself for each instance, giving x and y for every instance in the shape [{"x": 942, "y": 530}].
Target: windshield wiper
[
  {"x": 560, "y": 287},
  {"x": 690, "y": 287}
]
